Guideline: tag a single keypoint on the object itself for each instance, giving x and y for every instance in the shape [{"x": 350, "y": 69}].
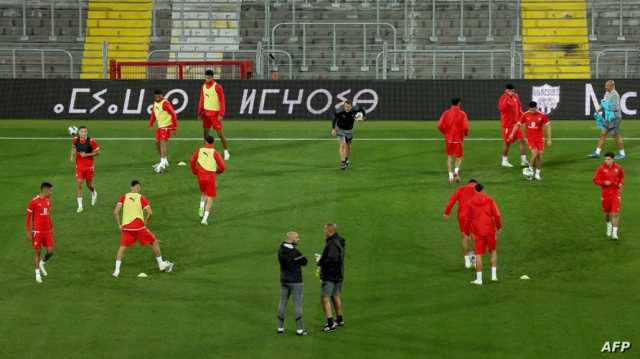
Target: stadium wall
[{"x": 292, "y": 100}]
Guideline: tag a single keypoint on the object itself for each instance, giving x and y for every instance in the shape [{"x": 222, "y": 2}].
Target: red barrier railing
[{"x": 147, "y": 70}]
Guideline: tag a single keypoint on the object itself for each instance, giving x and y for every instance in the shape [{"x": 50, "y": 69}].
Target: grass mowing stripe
[{"x": 291, "y": 139}]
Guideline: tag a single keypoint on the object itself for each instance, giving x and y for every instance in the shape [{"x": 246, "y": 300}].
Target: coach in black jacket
[
  {"x": 331, "y": 264},
  {"x": 291, "y": 261}
]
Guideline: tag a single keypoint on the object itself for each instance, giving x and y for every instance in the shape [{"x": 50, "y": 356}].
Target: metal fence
[
  {"x": 505, "y": 57},
  {"x": 41, "y": 59},
  {"x": 630, "y": 69}
]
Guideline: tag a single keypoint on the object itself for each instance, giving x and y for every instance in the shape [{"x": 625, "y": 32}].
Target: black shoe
[
  {"x": 343, "y": 166},
  {"x": 302, "y": 333},
  {"x": 280, "y": 330},
  {"x": 330, "y": 328},
  {"x": 340, "y": 323},
  {"x": 348, "y": 163}
]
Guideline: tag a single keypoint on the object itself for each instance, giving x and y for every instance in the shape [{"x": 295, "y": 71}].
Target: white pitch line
[{"x": 290, "y": 139}]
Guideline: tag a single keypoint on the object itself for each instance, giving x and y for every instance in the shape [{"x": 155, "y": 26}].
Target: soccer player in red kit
[
  {"x": 162, "y": 112},
  {"x": 485, "y": 223},
  {"x": 211, "y": 109},
  {"x": 454, "y": 125},
  {"x": 462, "y": 196},
  {"x": 39, "y": 228},
  {"x": 84, "y": 149},
  {"x": 510, "y": 111},
  {"x": 610, "y": 177},
  {"x": 534, "y": 122},
  {"x": 136, "y": 212},
  {"x": 207, "y": 164}
]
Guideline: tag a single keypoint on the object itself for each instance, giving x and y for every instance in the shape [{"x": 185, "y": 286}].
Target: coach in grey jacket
[
  {"x": 613, "y": 128},
  {"x": 291, "y": 263}
]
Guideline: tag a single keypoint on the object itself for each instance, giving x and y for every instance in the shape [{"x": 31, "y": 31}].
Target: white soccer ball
[
  {"x": 359, "y": 116},
  {"x": 73, "y": 130},
  {"x": 527, "y": 172}
]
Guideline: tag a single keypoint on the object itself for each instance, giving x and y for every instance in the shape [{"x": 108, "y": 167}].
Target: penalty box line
[{"x": 7, "y": 138}]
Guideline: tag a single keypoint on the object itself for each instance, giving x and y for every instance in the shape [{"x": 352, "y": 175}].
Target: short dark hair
[
  {"x": 209, "y": 139},
  {"x": 479, "y": 187},
  {"x": 533, "y": 104},
  {"x": 472, "y": 181},
  {"x": 135, "y": 183},
  {"x": 610, "y": 154},
  {"x": 81, "y": 127},
  {"x": 209, "y": 72},
  {"x": 157, "y": 92},
  {"x": 510, "y": 87},
  {"x": 455, "y": 101},
  {"x": 348, "y": 102},
  {"x": 45, "y": 185}
]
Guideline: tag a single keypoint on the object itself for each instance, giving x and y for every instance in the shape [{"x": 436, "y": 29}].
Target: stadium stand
[{"x": 440, "y": 39}]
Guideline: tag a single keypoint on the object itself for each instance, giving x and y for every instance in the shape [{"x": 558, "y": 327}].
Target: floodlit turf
[{"x": 406, "y": 293}]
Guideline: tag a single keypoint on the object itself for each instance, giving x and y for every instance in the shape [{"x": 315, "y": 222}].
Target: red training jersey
[
  {"x": 613, "y": 174},
  {"x": 462, "y": 196},
  {"x": 484, "y": 215},
  {"x": 510, "y": 109},
  {"x": 454, "y": 125},
  {"x": 137, "y": 223},
  {"x": 534, "y": 124},
  {"x": 84, "y": 161},
  {"x": 220, "y": 93},
  {"x": 167, "y": 107},
  {"x": 196, "y": 169},
  {"x": 39, "y": 215}
]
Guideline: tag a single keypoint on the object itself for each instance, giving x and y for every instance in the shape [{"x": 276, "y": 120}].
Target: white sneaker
[
  {"x": 159, "y": 169},
  {"x": 94, "y": 197},
  {"x": 166, "y": 267},
  {"x": 204, "y": 222},
  {"x": 467, "y": 264},
  {"x": 476, "y": 282},
  {"x": 227, "y": 155},
  {"x": 115, "y": 274},
  {"x": 38, "y": 278},
  {"x": 615, "y": 236},
  {"x": 609, "y": 230},
  {"x": 506, "y": 164},
  {"x": 79, "y": 210},
  {"x": 155, "y": 167},
  {"x": 538, "y": 177},
  {"x": 524, "y": 163},
  {"x": 42, "y": 270},
  {"x": 494, "y": 279}
]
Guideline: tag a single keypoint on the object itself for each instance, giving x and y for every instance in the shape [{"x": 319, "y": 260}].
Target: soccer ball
[
  {"x": 527, "y": 172},
  {"x": 359, "y": 116},
  {"x": 73, "y": 130}
]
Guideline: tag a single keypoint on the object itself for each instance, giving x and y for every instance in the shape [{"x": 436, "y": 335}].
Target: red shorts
[
  {"x": 611, "y": 204},
  {"x": 207, "y": 186},
  {"x": 164, "y": 133},
  {"x": 85, "y": 173},
  {"x": 507, "y": 131},
  {"x": 536, "y": 144},
  {"x": 42, "y": 239},
  {"x": 210, "y": 119},
  {"x": 454, "y": 149},
  {"x": 465, "y": 226},
  {"x": 482, "y": 243},
  {"x": 129, "y": 238}
]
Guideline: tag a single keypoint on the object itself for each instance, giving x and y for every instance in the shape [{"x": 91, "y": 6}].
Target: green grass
[{"x": 406, "y": 293}]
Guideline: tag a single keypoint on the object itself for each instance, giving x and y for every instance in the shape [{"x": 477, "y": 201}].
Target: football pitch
[{"x": 406, "y": 291}]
